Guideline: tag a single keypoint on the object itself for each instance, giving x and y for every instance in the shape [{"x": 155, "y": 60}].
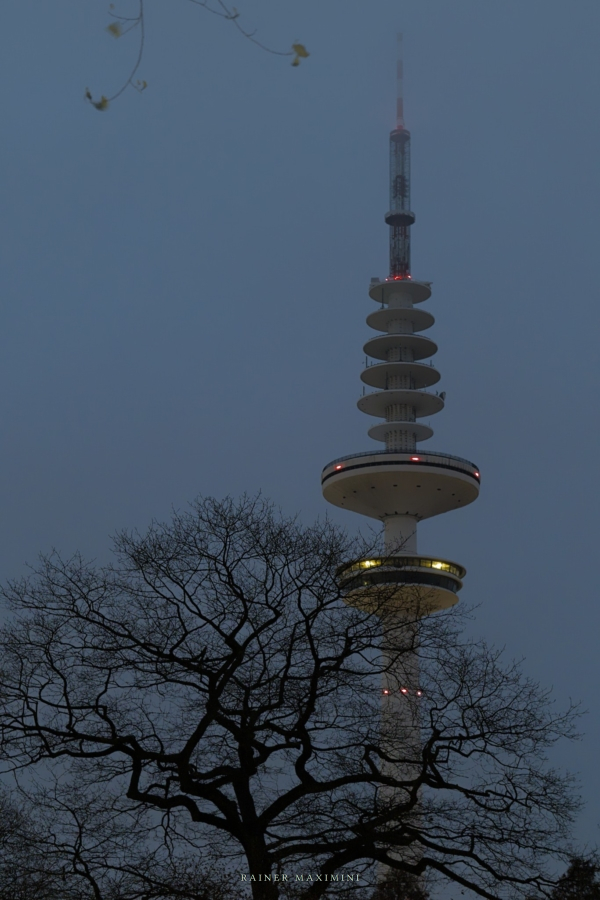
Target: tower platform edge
[{"x": 385, "y": 483}]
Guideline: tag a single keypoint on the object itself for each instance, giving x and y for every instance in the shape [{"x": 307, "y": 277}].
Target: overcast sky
[{"x": 184, "y": 283}]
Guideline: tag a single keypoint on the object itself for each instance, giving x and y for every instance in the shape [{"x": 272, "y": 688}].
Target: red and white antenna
[{"x": 399, "y": 85}]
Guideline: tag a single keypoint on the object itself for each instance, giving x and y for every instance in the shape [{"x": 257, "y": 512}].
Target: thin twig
[
  {"x": 224, "y": 12},
  {"x": 233, "y": 15},
  {"x": 136, "y": 22}
]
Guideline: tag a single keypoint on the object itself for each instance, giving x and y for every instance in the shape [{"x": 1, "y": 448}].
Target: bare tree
[
  {"x": 26, "y": 872},
  {"x": 68, "y": 843},
  {"x": 211, "y": 692}
]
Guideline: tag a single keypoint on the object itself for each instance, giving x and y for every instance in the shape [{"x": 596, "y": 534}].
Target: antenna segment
[
  {"x": 400, "y": 217},
  {"x": 399, "y": 85}
]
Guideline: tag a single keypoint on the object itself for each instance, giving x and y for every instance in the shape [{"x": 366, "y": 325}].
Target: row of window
[{"x": 404, "y": 561}]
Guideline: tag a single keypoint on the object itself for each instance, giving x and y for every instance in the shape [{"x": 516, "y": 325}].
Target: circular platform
[
  {"x": 377, "y": 375},
  {"x": 387, "y": 483},
  {"x": 399, "y": 217},
  {"x": 377, "y": 347},
  {"x": 421, "y": 583},
  {"x": 381, "y": 318},
  {"x": 421, "y": 432},
  {"x": 394, "y": 292},
  {"x": 423, "y": 403}
]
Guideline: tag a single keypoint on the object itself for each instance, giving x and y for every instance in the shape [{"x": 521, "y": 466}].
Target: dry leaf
[{"x": 301, "y": 53}]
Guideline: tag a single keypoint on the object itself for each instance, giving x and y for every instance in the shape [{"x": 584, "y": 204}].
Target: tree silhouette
[
  {"x": 579, "y": 881},
  {"x": 211, "y": 693}
]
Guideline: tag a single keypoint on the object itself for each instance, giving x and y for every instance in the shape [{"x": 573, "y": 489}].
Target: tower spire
[
  {"x": 399, "y": 84},
  {"x": 399, "y": 217}
]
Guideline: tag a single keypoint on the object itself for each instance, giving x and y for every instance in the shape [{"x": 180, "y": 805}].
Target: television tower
[{"x": 401, "y": 485}]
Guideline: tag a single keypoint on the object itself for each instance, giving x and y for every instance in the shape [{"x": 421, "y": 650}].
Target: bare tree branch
[{"x": 122, "y": 25}]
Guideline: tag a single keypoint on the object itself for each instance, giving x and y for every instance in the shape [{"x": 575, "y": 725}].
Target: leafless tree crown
[{"x": 211, "y": 693}]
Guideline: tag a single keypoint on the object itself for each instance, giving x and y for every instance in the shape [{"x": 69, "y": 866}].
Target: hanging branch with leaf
[{"x": 122, "y": 25}]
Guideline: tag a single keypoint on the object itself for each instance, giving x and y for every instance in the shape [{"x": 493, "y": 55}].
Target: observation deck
[
  {"x": 417, "y": 375},
  {"x": 391, "y": 290},
  {"x": 381, "y": 319},
  {"x": 422, "y": 402},
  {"x": 381, "y": 483},
  {"x": 419, "y": 347},
  {"x": 425, "y": 583}
]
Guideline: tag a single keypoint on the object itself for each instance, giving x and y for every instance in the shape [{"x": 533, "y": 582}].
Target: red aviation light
[
  {"x": 476, "y": 474},
  {"x": 385, "y": 691},
  {"x": 404, "y": 690},
  {"x": 415, "y": 459},
  {"x": 419, "y": 693},
  {"x": 337, "y": 468}
]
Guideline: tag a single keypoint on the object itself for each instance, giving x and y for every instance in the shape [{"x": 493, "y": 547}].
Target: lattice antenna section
[{"x": 399, "y": 217}]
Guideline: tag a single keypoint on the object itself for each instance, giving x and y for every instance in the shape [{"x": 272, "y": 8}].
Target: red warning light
[
  {"x": 339, "y": 467},
  {"x": 415, "y": 459},
  {"x": 419, "y": 693},
  {"x": 404, "y": 690},
  {"x": 476, "y": 474},
  {"x": 385, "y": 691}
]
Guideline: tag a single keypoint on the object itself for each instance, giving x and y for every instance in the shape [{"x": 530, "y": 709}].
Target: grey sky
[{"x": 184, "y": 283}]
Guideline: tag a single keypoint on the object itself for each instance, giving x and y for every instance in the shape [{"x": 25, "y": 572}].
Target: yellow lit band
[{"x": 418, "y": 562}]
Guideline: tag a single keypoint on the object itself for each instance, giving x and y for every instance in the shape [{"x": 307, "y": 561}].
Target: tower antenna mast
[
  {"x": 399, "y": 85},
  {"x": 399, "y": 217}
]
